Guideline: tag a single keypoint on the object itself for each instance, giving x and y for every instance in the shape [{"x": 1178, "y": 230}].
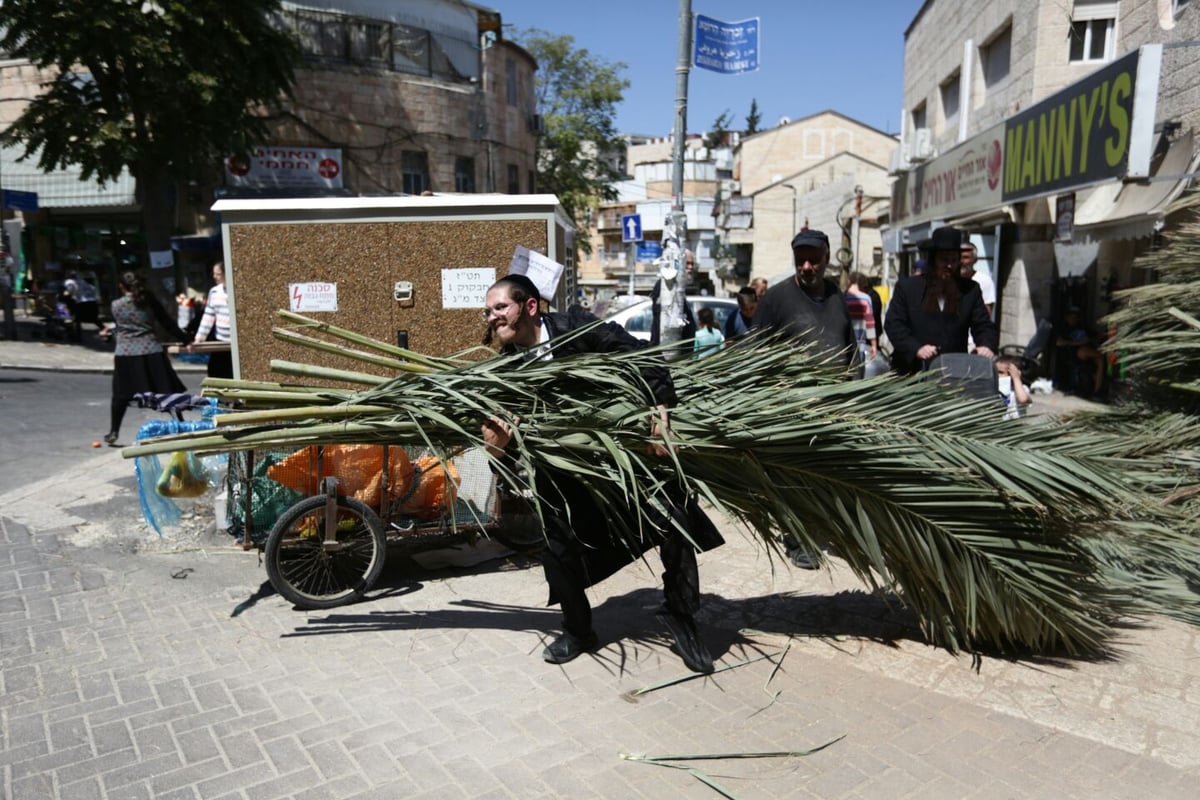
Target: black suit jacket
[
  {"x": 603, "y": 553},
  {"x": 909, "y": 326}
]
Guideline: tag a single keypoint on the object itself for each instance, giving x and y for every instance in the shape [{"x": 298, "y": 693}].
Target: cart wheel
[{"x": 310, "y": 574}]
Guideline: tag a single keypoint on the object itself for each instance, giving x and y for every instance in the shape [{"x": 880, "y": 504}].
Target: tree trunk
[{"x": 155, "y": 193}]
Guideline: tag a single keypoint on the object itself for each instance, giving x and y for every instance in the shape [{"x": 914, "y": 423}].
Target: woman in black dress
[{"x": 141, "y": 364}]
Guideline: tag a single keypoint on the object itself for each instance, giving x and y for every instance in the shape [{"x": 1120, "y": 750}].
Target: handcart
[{"x": 338, "y": 509}]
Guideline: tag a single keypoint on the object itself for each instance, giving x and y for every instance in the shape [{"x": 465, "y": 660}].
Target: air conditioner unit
[
  {"x": 735, "y": 187},
  {"x": 899, "y": 160},
  {"x": 537, "y": 123},
  {"x": 922, "y": 145}
]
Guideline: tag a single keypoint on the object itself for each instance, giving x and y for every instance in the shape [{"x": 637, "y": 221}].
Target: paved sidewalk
[
  {"x": 35, "y": 349},
  {"x": 139, "y": 667}
]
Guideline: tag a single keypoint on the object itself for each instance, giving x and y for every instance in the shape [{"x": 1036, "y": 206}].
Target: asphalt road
[{"x": 50, "y": 419}]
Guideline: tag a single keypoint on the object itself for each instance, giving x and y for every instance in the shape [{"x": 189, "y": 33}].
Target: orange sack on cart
[
  {"x": 358, "y": 468},
  {"x": 437, "y": 489}
]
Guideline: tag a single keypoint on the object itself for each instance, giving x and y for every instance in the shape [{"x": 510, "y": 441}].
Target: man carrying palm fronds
[{"x": 581, "y": 550}]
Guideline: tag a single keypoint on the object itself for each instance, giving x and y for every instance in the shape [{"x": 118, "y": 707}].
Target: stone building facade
[
  {"x": 975, "y": 67},
  {"x": 423, "y": 95}
]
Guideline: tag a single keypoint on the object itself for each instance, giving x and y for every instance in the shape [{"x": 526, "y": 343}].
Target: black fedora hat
[{"x": 945, "y": 239}]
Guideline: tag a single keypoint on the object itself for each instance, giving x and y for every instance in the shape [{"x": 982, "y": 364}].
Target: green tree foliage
[
  {"x": 753, "y": 118},
  {"x": 577, "y": 95},
  {"x": 166, "y": 88},
  {"x": 720, "y": 128}
]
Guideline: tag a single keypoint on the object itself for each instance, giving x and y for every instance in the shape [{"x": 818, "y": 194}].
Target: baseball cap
[{"x": 810, "y": 238}]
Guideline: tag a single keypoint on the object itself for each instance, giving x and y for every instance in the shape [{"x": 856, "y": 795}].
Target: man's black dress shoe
[
  {"x": 687, "y": 640},
  {"x": 804, "y": 558},
  {"x": 567, "y": 647}
]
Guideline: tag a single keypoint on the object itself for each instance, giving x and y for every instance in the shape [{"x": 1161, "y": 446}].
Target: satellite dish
[{"x": 784, "y": 121}]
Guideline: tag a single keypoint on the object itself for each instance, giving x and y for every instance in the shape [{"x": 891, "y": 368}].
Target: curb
[{"x": 179, "y": 368}]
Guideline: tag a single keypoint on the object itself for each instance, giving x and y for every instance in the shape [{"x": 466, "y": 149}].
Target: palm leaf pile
[
  {"x": 999, "y": 534},
  {"x": 1157, "y": 326}
]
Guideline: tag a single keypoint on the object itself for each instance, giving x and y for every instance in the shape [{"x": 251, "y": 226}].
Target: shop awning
[
  {"x": 984, "y": 219},
  {"x": 1131, "y": 210},
  {"x": 63, "y": 188}
]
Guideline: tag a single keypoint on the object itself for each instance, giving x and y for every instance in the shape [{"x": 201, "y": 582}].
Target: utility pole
[
  {"x": 856, "y": 227},
  {"x": 794, "y": 207},
  {"x": 682, "y": 66}
]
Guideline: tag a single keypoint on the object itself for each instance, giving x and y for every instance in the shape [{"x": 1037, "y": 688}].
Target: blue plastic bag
[{"x": 156, "y": 509}]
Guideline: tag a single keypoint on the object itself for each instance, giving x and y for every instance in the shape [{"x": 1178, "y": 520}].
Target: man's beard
[
  {"x": 939, "y": 286},
  {"x": 811, "y": 282}
]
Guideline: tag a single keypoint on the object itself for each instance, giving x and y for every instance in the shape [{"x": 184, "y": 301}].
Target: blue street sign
[
  {"x": 20, "y": 201},
  {"x": 631, "y": 228},
  {"x": 726, "y": 47},
  {"x": 649, "y": 251}
]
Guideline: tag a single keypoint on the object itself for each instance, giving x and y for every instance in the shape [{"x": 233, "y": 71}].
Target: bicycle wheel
[{"x": 312, "y": 574}]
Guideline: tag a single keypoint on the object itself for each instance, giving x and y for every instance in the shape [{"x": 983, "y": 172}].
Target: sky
[{"x": 813, "y": 55}]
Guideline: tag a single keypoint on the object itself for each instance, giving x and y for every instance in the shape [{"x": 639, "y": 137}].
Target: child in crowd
[
  {"x": 709, "y": 338},
  {"x": 1012, "y": 387}
]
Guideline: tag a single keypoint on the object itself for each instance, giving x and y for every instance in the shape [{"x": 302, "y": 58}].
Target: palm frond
[{"x": 997, "y": 533}]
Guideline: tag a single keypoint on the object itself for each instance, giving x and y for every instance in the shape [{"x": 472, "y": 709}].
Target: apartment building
[
  {"x": 1056, "y": 134},
  {"x": 615, "y": 266},
  {"x": 410, "y": 97},
  {"x": 824, "y": 171}
]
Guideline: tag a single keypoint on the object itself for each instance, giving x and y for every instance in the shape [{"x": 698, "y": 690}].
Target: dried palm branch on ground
[{"x": 1003, "y": 535}]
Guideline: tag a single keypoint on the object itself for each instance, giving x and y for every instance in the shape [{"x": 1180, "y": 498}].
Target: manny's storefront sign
[{"x": 1096, "y": 130}]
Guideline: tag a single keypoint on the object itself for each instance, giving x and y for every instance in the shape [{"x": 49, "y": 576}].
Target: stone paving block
[
  {"x": 31, "y": 787},
  {"x": 132, "y": 688},
  {"x": 285, "y": 786},
  {"x": 69, "y": 733},
  {"x": 184, "y": 793},
  {"x": 375, "y": 735},
  {"x": 25, "y": 728},
  {"x": 123, "y": 711},
  {"x": 88, "y": 789},
  {"x": 173, "y": 693},
  {"x": 241, "y": 749},
  {"x": 185, "y": 777},
  {"x": 331, "y": 759},
  {"x": 144, "y": 769},
  {"x": 233, "y": 781},
  {"x": 286, "y": 755},
  {"x": 96, "y": 766},
  {"x": 250, "y": 700},
  {"x": 210, "y": 695},
  {"x": 154, "y": 740},
  {"x": 95, "y": 686},
  {"x": 17, "y": 679},
  {"x": 197, "y": 745},
  {"x": 893, "y": 782},
  {"x": 377, "y": 765},
  {"x": 204, "y": 719},
  {"x": 50, "y": 761},
  {"x": 328, "y": 730},
  {"x": 336, "y": 789},
  {"x": 132, "y": 791}
]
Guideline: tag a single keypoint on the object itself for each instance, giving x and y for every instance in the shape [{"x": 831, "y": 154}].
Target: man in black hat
[
  {"x": 580, "y": 549},
  {"x": 809, "y": 307},
  {"x": 932, "y": 313}
]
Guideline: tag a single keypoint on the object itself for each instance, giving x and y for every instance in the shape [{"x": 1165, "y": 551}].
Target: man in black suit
[
  {"x": 931, "y": 314},
  {"x": 580, "y": 547}
]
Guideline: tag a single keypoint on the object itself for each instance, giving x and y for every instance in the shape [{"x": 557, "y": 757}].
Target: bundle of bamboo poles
[{"x": 999, "y": 534}]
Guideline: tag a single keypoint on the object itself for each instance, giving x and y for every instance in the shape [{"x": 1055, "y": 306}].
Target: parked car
[{"x": 637, "y": 318}]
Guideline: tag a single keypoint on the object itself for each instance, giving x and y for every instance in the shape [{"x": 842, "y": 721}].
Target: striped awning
[
  {"x": 65, "y": 188},
  {"x": 1131, "y": 210}
]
